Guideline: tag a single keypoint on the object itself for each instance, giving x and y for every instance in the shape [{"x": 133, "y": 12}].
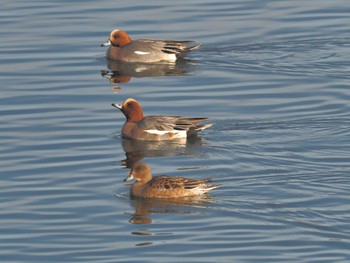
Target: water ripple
[{"x": 271, "y": 76}]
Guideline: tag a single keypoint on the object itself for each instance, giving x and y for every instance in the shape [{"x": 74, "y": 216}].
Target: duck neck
[{"x": 146, "y": 177}]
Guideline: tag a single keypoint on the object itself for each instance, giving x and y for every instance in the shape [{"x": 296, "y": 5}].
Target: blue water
[{"x": 272, "y": 76}]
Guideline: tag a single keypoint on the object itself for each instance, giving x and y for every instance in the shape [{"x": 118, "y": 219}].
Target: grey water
[{"x": 272, "y": 76}]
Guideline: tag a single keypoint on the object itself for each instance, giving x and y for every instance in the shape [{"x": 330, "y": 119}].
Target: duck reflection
[
  {"x": 144, "y": 208},
  {"x": 122, "y": 72},
  {"x": 135, "y": 150}
]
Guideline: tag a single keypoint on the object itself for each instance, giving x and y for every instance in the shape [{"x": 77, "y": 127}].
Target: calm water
[{"x": 273, "y": 76}]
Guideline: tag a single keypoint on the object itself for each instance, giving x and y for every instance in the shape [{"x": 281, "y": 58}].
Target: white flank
[
  {"x": 141, "y": 53},
  {"x": 172, "y": 57}
]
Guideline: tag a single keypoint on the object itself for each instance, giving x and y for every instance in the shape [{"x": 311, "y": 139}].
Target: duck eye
[{"x": 129, "y": 105}]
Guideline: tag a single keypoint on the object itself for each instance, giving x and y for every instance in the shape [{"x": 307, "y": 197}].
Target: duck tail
[
  {"x": 194, "y": 130},
  {"x": 207, "y": 187},
  {"x": 213, "y": 186},
  {"x": 187, "y": 50}
]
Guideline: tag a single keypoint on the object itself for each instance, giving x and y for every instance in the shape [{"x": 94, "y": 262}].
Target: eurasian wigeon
[
  {"x": 146, "y": 50},
  {"x": 156, "y": 128},
  {"x": 164, "y": 186}
]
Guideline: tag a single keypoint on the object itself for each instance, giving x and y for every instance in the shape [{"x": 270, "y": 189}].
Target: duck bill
[
  {"x": 106, "y": 44},
  {"x": 129, "y": 177},
  {"x": 117, "y": 106}
]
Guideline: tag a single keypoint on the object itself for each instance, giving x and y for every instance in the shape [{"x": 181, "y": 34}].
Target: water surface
[{"x": 272, "y": 76}]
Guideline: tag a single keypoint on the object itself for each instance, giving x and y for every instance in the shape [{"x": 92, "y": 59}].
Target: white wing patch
[
  {"x": 140, "y": 69},
  {"x": 176, "y": 134},
  {"x": 141, "y": 52}
]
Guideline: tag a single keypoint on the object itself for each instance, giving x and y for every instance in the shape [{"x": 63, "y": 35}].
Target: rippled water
[{"x": 273, "y": 77}]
